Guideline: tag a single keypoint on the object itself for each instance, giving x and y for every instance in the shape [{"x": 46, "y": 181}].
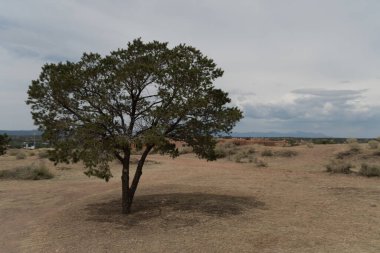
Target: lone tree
[
  {"x": 147, "y": 95},
  {"x": 4, "y": 141}
]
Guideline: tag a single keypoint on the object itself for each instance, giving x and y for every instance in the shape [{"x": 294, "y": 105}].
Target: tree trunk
[
  {"x": 126, "y": 200},
  {"x": 126, "y": 196},
  {"x": 128, "y": 192}
]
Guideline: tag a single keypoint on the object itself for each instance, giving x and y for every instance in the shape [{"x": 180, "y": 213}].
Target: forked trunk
[{"x": 128, "y": 191}]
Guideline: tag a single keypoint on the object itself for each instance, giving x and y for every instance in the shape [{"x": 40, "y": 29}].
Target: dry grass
[
  {"x": 267, "y": 152},
  {"x": 20, "y": 155},
  {"x": 30, "y": 172},
  {"x": 286, "y": 153},
  {"x": 339, "y": 166},
  {"x": 373, "y": 144},
  {"x": 191, "y": 205},
  {"x": 370, "y": 170}
]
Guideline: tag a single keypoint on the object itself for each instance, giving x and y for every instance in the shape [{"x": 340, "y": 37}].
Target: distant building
[{"x": 29, "y": 146}]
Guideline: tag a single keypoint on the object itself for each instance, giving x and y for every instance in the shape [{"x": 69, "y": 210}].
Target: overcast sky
[{"x": 307, "y": 65}]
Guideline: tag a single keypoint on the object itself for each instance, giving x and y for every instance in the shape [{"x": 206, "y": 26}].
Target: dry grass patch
[
  {"x": 20, "y": 156},
  {"x": 338, "y": 166},
  {"x": 260, "y": 163},
  {"x": 286, "y": 153},
  {"x": 369, "y": 170},
  {"x": 43, "y": 154},
  {"x": 373, "y": 144},
  {"x": 267, "y": 152},
  {"x": 12, "y": 152},
  {"x": 30, "y": 172}
]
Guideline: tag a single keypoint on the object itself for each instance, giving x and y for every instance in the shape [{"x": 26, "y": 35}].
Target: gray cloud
[
  {"x": 274, "y": 52},
  {"x": 328, "y": 111}
]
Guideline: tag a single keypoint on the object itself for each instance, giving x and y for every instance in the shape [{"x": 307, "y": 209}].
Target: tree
[
  {"x": 147, "y": 95},
  {"x": 4, "y": 141}
]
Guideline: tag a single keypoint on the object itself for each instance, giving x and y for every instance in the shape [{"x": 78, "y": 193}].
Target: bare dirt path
[{"x": 189, "y": 205}]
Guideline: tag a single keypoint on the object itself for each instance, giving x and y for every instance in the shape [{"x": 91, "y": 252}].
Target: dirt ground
[{"x": 190, "y": 205}]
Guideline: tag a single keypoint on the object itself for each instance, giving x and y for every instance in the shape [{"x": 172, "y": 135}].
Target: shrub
[
  {"x": 369, "y": 170},
  {"x": 260, "y": 163},
  {"x": 337, "y": 166},
  {"x": 227, "y": 149},
  {"x": 239, "y": 157},
  {"x": 376, "y": 153},
  {"x": 292, "y": 142},
  {"x": 267, "y": 152},
  {"x": 243, "y": 157},
  {"x": 32, "y": 154},
  {"x": 251, "y": 151},
  {"x": 20, "y": 155},
  {"x": 229, "y": 145},
  {"x": 347, "y": 153},
  {"x": 220, "y": 153},
  {"x": 310, "y": 145},
  {"x": 373, "y": 144},
  {"x": 354, "y": 146},
  {"x": 286, "y": 153},
  {"x": 31, "y": 172}
]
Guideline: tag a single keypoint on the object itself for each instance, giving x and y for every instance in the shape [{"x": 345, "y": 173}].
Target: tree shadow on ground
[{"x": 172, "y": 210}]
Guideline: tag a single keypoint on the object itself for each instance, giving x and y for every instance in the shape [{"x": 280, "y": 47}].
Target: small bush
[
  {"x": 20, "y": 155},
  {"x": 227, "y": 149},
  {"x": 354, "y": 146},
  {"x": 260, "y": 163},
  {"x": 292, "y": 142},
  {"x": 337, "y": 166},
  {"x": 251, "y": 151},
  {"x": 267, "y": 152},
  {"x": 286, "y": 153},
  {"x": 376, "y": 153},
  {"x": 243, "y": 157},
  {"x": 229, "y": 145},
  {"x": 369, "y": 170},
  {"x": 373, "y": 144},
  {"x": 344, "y": 154},
  {"x": 32, "y": 154},
  {"x": 310, "y": 145},
  {"x": 31, "y": 172},
  {"x": 220, "y": 153}
]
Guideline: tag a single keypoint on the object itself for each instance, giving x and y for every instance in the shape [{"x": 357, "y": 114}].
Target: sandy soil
[{"x": 190, "y": 205}]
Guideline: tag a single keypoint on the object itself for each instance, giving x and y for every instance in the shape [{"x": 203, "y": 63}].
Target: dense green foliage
[
  {"x": 4, "y": 141},
  {"x": 146, "y": 96}
]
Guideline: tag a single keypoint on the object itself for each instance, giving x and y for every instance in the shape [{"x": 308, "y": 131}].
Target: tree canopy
[{"x": 147, "y": 95}]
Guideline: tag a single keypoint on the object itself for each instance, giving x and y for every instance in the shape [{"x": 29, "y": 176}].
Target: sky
[{"x": 290, "y": 65}]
